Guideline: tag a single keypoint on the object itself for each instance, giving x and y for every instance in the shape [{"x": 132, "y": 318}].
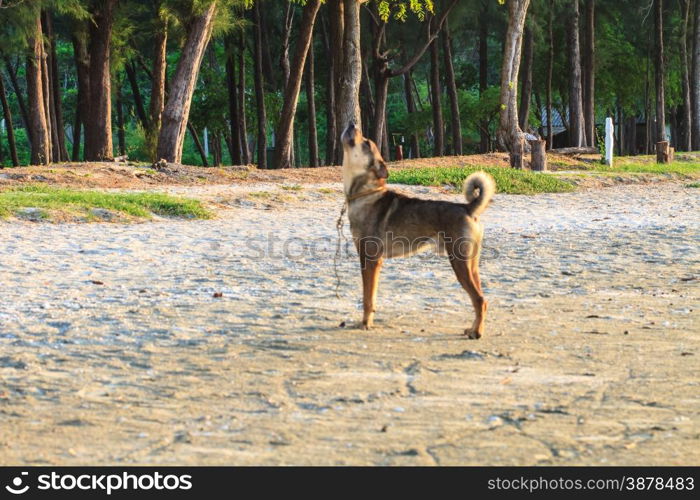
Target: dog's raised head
[{"x": 363, "y": 164}]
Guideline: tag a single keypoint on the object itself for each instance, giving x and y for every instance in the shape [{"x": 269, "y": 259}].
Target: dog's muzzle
[{"x": 349, "y": 134}]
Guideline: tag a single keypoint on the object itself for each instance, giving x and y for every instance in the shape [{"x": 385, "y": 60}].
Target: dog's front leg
[{"x": 371, "y": 268}]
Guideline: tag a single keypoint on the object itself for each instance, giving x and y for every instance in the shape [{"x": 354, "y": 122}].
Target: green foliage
[
  {"x": 136, "y": 145},
  {"x": 23, "y": 152},
  {"x": 508, "y": 180},
  {"x": 398, "y": 9},
  {"x": 624, "y": 71},
  {"x": 621, "y": 64},
  {"x": 475, "y": 107}
]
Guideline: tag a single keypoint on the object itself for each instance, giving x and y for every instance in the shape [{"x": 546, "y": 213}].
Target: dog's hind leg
[
  {"x": 370, "y": 281},
  {"x": 474, "y": 267},
  {"x": 469, "y": 281}
]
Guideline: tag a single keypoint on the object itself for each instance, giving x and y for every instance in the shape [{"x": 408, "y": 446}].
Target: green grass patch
[
  {"x": 676, "y": 167},
  {"x": 145, "y": 171},
  {"x": 508, "y": 180},
  {"x": 291, "y": 187},
  {"x": 45, "y": 199},
  {"x": 263, "y": 195},
  {"x": 693, "y": 185}
]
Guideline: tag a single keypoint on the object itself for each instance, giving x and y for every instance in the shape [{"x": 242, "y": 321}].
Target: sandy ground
[{"x": 114, "y": 348}]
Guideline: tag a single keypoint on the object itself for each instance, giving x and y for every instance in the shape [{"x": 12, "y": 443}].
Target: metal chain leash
[{"x": 338, "y": 249}]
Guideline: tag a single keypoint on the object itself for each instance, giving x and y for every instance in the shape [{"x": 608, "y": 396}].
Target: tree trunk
[
  {"x": 286, "y": 35},
  {"x": 331, "y": 131},
  {"x": 336, "y": 14},
  {"x": 576, "y": 122},
  {"x": 82, "y": 66},
  {"x": 484, "y": 146},
  {"x": 589, "y": 73},
  {"x": 58, "y": 130},
  {"x": 695, "y": 90},
  {"x": 48, "y": 104},
  {"x": 198, "y": 144},
  {"x": 311, "y": 103},
  {"x": 435, "y": 91},
  {"x": 411, "y": 108},
  {"x": 157, "y": 104},
  {"x": 539, "y": 107},
  {"x": 120, "y": 119},
  {"x": 12, "y": 73},
  {"x": 216, "y": 149},
  {"x": 526, "y": 88},
  {"x": 377, "y": 120},
  {"x": 381, "y": 92},
  {"x": 177, "y": 109},
  {"x": 98, "y": 122},
  {"x": 283, "y": 148},
  {"x": 664, "y": 153},
  {"x": 517, "y": 155},
  {"x": 49, "y": 108},
  {"x": 550, "y": 71},
  {"x": 41, "y": 140},
  {"x": 7, "y": 114},
  {"x": 259, "y": 89},
  {"x": 660, "y": 69},
  {"x": 58, "y": 109},
  {"x": 686, "y": 110},
  {"x": 538, "y": 161},
  {"x": 242, "y": 122},
  {"x": 455, "y": 121},
  {"x": 509, "y": 131},
  {"x": 268, "y": 74},
  {"x": 284, "y": 64},
  {"x": 621, "y": 130},
  {"x": 374, "y": 114},
  {"x": 233, "y": 101},
  {"x": 351, "y": 70},
  {"x": 367, "y": 99},
  {"x": 130, "y": 68},
  {"x": 673, "y": 124},
  {"x": 386, "y": 152},
  {"x": 647, "y": 99},
  {"x": 77, "y": 122}
]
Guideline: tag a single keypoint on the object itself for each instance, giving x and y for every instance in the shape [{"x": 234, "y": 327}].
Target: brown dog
[{"x": 387, "y": 224}]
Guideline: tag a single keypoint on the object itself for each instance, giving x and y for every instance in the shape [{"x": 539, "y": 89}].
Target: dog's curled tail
[{"x": 478, "y": 201}]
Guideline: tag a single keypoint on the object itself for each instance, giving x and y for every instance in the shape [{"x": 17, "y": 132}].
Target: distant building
[{"x": 633, "y": 139}]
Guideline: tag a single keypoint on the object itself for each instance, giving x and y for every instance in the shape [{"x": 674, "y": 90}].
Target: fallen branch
[{"x": 575, "y": 151}]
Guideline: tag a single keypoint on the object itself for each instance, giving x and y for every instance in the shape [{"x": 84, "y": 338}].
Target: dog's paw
[
  {"x": 472, "y": 333},
  {"x": 366, "y": 326}
]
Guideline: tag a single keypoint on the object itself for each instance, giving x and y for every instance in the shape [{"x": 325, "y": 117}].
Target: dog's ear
[{"x": 380, "y": 169}]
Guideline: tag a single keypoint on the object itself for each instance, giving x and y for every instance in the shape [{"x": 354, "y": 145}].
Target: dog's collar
[{"x": 355, "y": 196}]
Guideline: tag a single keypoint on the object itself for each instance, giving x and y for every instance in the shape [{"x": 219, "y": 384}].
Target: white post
[
  {"x": 609, "y": 141},
  {"x": 206, "y": 142}
]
